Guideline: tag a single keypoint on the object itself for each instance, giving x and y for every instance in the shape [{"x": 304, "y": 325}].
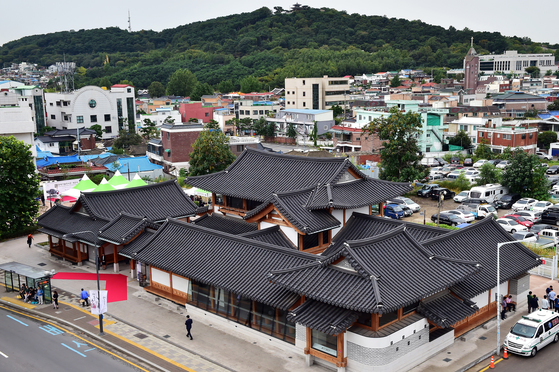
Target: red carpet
[{"x": 116, "y": 283}]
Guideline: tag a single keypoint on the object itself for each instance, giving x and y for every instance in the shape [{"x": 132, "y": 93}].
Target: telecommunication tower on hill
[
  {"x": 129, "y": 23},
  {"x": 65, "y": 72}
]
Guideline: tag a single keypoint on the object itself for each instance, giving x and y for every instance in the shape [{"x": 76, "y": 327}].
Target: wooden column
[{"x": 381, "y": 209}]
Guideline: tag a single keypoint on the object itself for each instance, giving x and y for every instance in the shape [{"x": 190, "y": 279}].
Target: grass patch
[
  {"x": 442, "y": 226},
  {"x": 43, "y": 243},
  {"x": 542, "y": 252}
]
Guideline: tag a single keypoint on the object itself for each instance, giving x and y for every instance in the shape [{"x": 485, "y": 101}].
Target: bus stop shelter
[{"x": 16, "y": 274}]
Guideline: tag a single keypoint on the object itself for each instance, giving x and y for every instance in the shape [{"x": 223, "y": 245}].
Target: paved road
[
  {"x": 545, "y": 360},
  {"x": 28, "y": 344}
]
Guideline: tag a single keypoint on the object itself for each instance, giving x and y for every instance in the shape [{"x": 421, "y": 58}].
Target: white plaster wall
[
  {"x": 339, "y": 215},
  {"x": 180, "y": 283},
  {"x": 160, "y": 277},
  {"x": 481, "y": 300},
  {"x": 382, "y": 342},
  {"x": 109, "y": 249},
  {"x": 504, "y": 287},
  {"x": 291, "y": 234},
  {"x": 265, "y": 225},
  {"x": 349, "y": 212}
]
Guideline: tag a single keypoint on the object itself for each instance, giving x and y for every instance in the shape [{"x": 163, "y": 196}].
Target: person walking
[
  {"x": 40, "y": 295},
  {"x": 534, "y": 303},
  {"x": 545, "y": 303},
  {"x": 85, "y": 298},
  {"x": 29, "y": 240},
  {"x": 551, "y": 297},
  {"x": 188, "y": 324},
  {"x": 55, "y": 299},
  {"x": 529, "y": 299},
  {"x": 503, "y": 308}
]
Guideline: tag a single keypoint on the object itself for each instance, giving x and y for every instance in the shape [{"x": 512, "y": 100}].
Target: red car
[{"x": 521, "y": 220}]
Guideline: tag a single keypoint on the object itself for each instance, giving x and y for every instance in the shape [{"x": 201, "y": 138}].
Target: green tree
[
  {"x": 181, "y": 83},
  {"x": 226, "y": 86},
  {"x": 483, "y": 151},
  {"x": 250, "y": 84},
  {"x": 461, "y": 183},
  {"x": 46, "y": 130},
  {"x": 488, "y": 173},
  {"x": 149, "y": 129},
  {"x": 315, "y": 133},
  {"x": 525, "y": 176},
  {"x": 156, "y": 89},
  {"x": 400, "y": 154},
  {"x": 531, "y": 113},
  {"x": 210, "y": 153},
  {"x": 201, "y": 90},
  {"x": 337, "y": 110},
  {"x": 291, "y": 132},
  {"x": 259, "y": 126},
  {"x": 395, "y": 82},
  {"x": 460, "y": 139},
  {"x": 105, "y": 82},
  {"x": 212, "y": 124},
  {"x": 98, "y": 131},
  {"x": 126, "y": 139},
  {"x": 554, "y": 105},
  {"x": 545, "y": 138},
  {"x": 20, "y": 186},
  {"x": 533, "y": 71}
]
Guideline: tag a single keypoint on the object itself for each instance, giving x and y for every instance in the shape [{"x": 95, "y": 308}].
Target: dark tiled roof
[
  {"x": 156, "y": 202},
  {"x": 389, "y": 330},
  {"x": 291, "y": 205},
  {"x": 137, "y": 244},
  {"x": 230, "y": 225},
  {"x": 62, "y": 220},
  {"x": 256, "y": 174},
  {"x": 272, "y": 235},
  {"x": 323, "y": 317},
  {"x": 378, "y": 275},
  {"x": 123, "y": 228},
  {"x": 446, "y": 309},
  {"x": 479, "y": 241},
  {"x": 70, "y": 132},
  {"x": 355, "y": 194},
  {"x": 361, "y": 226},
  {"x": 237, "y": 264}
]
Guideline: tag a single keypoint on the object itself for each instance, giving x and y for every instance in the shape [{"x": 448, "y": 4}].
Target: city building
[
  {"x": 470, "y": 125},
  {"x": 196, "y": 110},
  {"x": 316, "y": 93},
  {"x": 513, "y": 134},
  {"x": 303, "y": 120},
  {"x": 65, "y": 141},
  {"x": 515, "y": 104},
  {"x": 32, "y": 96},
  {"x": 112, "y": 109},
  {"x": 16, "y": 119}
]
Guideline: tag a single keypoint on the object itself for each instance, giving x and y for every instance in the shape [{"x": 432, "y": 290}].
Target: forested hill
[{"x": 270, "y": 45}]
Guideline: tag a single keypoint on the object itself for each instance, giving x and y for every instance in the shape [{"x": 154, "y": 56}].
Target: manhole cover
[
  {"x": 42, "y": 264},
  {"x": 166, "y": 336},
  {"x": 140, "y": 336},
  {"x": 447, "y": 360},
  {"x": 483, "y": 338}
]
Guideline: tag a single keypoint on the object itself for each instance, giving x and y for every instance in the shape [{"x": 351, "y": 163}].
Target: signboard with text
[{"x": 94, "y": 301}]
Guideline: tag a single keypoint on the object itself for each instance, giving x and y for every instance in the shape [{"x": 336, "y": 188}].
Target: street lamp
[
  {"x": 101, "y": 333},
  {"x": 499, "y": 245}
]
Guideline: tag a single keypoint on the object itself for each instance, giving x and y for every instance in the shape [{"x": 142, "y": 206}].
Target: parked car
[
  {"x": 424, "y": 191},
  {"x": 455, "y": 160},
  {"x": 455, "y": 174},
  {"x": 506, "y": 201},
  {"x": 542, "y": 226},
  {"x": 524, "y": 204},
  {"x": 551, "y": 216},
  {"x": 521, "y": 220},
  {"x": 554, "y": 169},
  {"x": 468, "y": 208},
  {"x": 503, "y": 164},
  {"x": 543, "y": 155},
  {"x": 466, "y": 216},
  {"x": 441, "y": 161},
  {"x": 525, "y": 236},
  {"x": 459, "y": 166},
  {"x": 446, "y": 170},
  {"x": 393, "y": 211},
  {"x": 511, "y": 225},
  {"x": 435, "y": 170},
  {"x": 461, "y": 196},
  {"x": 480, "y": 210},
  {"x": 410, "y": 203},
  {"x": 530, "y": 215},
  {"x": 495, "y": 162},
  {"x": 541, "y": 206},
  {"x": 472, "y": 175},
  {"x": 544, "y": 165},
  {"x": 435, "y": 177},
  {"x": 434, "y": 193},
  {"x": 407, "y": 210},
  {"x": 448, "y": 219},
  {"x": 479, "y": 163}
]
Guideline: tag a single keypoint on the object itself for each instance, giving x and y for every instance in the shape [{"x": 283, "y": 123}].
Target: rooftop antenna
[{"x": 129, "y": 23}]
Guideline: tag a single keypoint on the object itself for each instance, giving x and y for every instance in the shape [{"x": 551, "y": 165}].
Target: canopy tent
[
  {"x": 104, "y": 186},
  {"x": 203, "y": 193},
  {"x": 85, "y": 184},
  {"x": 137, "y": 181},
  {"x": 118, "y": 181}
]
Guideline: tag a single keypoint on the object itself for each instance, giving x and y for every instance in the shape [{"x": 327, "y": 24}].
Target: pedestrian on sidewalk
[
  {"x": 43, "y": 199},
  {"x": 503, "y": 308},
  {"x": 29, "y": 240},
  {"x": 85, "y": 298},
  {"x": 547, "y": 290},
  {"x": 529, "y": 301},
  {"x": 551, "y": 297},
  {"x": 40, "y": 295},
  {"x": 55, "y": 299},
  {"x": 188, "y": 324},
  {"x": 534, "y": 303},
  {"x": 510, "y": 305},
  {"x": 545, "y": 303}
]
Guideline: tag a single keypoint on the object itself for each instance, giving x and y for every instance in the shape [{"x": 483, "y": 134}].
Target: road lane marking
[
  {"x": 79, "y": 318},
  {"x": 19, "y": 321},
  {"x": 75, "y": 351},
  {"x": 486, "y": 368},
  {"x": 4, "y": 355}
]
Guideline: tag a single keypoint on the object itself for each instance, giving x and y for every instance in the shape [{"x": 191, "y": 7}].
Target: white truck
[
  {"x": 480, "y": 211},
  {"x": 547, "y": 238}
]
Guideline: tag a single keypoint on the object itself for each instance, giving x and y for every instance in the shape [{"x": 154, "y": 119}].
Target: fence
[{"x": 548, "y": 269}]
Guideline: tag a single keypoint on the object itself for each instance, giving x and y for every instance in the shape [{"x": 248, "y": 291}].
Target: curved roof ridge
[
  {"x": 373, "y": 239},
  {"x": 286, "y": 208},
  {"x": 294, "y": 157},
  {"x": 261, "y": 231},
  {"x": 486, "y": 220},
  {"x": 295, "y": 192}
]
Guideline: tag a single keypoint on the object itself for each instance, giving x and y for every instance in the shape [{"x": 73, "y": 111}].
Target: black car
[
  {"x": 468, "y": 162},
  {"x": 402, "y": 204},
  {"x": 551, "y": 216},
  {"x": 541, "y": 226},
  {"x": 454, "y": 160},
  {"x": 424, "y": 191},
  {"x": 441, "y": 161},
  {"x": 507, "y": 200},
  {"x": 494, "y": 161},
  {"x": 434, "y": 193},
  {"x": 554, "y": 169},
  {"x": 448, "y": 219}
]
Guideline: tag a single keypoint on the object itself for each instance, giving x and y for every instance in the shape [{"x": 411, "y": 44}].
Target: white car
[
  {"x": 479, "y": 163},
  {"x": 466, "y": 216},
  {"x": 409, "y": 203},
  {"x": 461, "y": 196},
  {"x": 435, "y": 170},
  {"x": 472, "y": 175},
  {"x": 525, "y": 236},
  {"x": 511, "y": 225},
  {"x": 455, "y": 174},
  {"x": 541, "y": 206},
  {"x": 524, "y": 204},
  {"x": 543, "y": 155},
  {"x": 530, "y": 215},
  {"x": 503, "y": 164}
]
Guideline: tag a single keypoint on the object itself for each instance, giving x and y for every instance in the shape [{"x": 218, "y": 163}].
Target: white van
[
  {"x": 490, "y": 192},
  {"x": 533, "y": 332}
]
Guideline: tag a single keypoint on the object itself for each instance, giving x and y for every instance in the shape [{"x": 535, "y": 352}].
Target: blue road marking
[
  {"x": 17, "y": 320},
  {"x": 52, "y": 330},
  {"x": 75, "y": 351},
  {"x": 85, "y": 351}
]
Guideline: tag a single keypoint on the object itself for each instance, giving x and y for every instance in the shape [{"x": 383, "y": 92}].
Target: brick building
[
  {"x": 196, "y": 110},
  {"x": 515, "y": 104},
  {"x": 348, "y": 139},
  {"x": 511, "y": 134}
]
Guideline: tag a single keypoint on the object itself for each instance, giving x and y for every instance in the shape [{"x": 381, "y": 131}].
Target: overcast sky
[{"x": 32, "y": 17}]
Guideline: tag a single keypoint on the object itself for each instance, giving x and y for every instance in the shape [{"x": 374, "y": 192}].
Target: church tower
[{"x": 471, "y": 70}]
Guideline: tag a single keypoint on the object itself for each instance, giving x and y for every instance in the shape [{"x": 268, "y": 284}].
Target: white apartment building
[
  {"x": 470, "y": 125},
  {"x": 16, "y": 120},
  {"x": 517, "y": 63},
  {"x": 111, "y": 109},
  {"x": 247, "y": 108},
  {"x": 316, "y": 93},
  {"x": 160, "y": 115}
]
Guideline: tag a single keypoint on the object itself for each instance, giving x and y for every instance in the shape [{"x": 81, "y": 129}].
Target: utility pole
[{"x": 440, "y": 204}]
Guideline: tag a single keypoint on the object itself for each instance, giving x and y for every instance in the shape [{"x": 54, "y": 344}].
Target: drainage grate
[
  {"x": 166, "y": 336},
  {"x": 447, "y": 360},
  {"x": 42, "y": 264},
  {"x": 483, "y": 338},
  {"x": 141, "y": 336}
]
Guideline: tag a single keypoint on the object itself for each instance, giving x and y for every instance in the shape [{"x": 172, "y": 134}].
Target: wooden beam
[
  {"x": 353, "y": 173},
  {"x": 343, "y": 216},
  {"x": 300, "y": 242},
  {"x": 261, "y": 214}
]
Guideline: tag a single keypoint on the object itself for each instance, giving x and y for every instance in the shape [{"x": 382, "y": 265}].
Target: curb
[
  {"x": 477, "y": 361},
  {"x": 92, "y": 335}
]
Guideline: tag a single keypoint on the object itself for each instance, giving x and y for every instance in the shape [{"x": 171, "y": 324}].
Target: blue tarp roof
[
  {"x": 89, "y": 157},
  {"x": 547, "y": 116},
  {"x": 137, "y": 164},
  {"x": 42, "y": 154},
  {"x": 49, "y": 160}
]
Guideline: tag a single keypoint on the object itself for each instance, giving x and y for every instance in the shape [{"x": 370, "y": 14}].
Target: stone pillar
[
  {"x": 116, "y": 267},
  {"x": 309, "y": 360},
  {"x": 133, "y": 269}
]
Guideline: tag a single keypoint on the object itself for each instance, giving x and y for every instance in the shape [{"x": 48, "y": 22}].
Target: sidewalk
[{"x": 152, "y": 327}]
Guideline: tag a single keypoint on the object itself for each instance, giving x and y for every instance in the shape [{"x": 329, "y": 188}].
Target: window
[
  {"x": 387, "y": 318},
  {"x": 365, "y": 319},
  {"x": 410, "y": 308},
  {"x": 304, "y": 94},
  {"x": 242, "y": 112},
  {"x": 530, "y": 135},
  {"x": 325, "y": 343},
  {"x": 310, "y": 241},
  {"x": 51, "y": 104},
  {"x": 92, "y": 103},
  {"x": 303, "y": 82},
  {"x": 207, "y": 114},
  {"x": 79, "y": 119},
  {"x": 168, "y": 135},
  {"x": 524, "y": 136},
  {"x": 53, "y": 117},
  {"x": 254, "y": 112},
  {"x": 57, "y": 103},
  {"x": 304, "y": 104},
  {"x": 108, "y": 129},
  {"x": 240, "y": 148},
  {"x": 93, "y": 118},
  {"x": 107, "y": 117},
  {"x": 261, "y": 112},
  {"x": 168, "y": 153},
  {"x": 129, "y": 90},
  {"x": 287, "y": 92}
]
